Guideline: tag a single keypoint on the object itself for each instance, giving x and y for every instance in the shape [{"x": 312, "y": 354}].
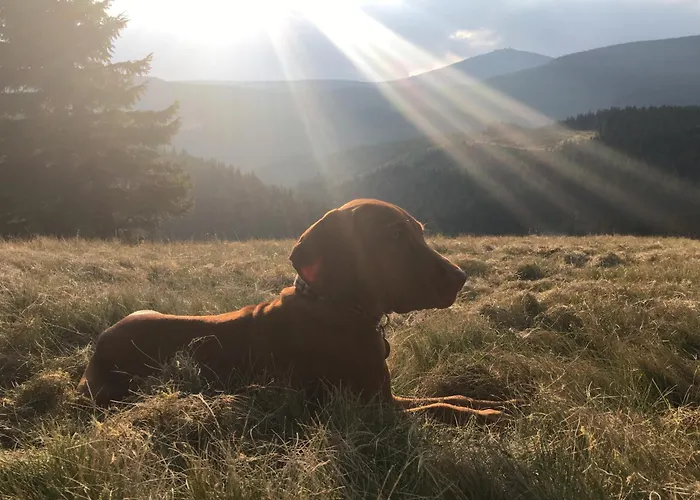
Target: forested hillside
[
  {"x": 633, "y": 171},
  {"x": 230, "y": 204},
  {"x": 639, "y": 173}
]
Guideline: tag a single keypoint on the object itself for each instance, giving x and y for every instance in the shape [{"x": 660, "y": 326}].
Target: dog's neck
[{"x": 303, "y": 289}]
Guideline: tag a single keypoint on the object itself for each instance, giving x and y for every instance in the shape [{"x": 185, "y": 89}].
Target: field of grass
[{"x": 601, "y": 337}]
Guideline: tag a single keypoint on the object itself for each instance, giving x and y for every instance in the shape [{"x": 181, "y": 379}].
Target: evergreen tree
[{"x": 75, "y": 157}]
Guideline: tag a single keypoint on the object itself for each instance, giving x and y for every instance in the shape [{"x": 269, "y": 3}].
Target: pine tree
[{"x": 75, "y": 157}]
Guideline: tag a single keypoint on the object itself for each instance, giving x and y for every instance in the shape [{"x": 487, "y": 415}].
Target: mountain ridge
[
  {"x": 257, "y": 125},
  {"x": 484, "y": 66}
]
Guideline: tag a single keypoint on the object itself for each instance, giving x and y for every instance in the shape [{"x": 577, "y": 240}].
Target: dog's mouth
[
  {"x": 450, "y": 288},
  {"x": 435, "y": 298},
  {"x": 437, "y": 290},
  {"x": 446, "y": 300}
]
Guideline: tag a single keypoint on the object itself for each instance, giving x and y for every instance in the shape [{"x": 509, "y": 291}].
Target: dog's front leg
[
  {"x": 456, "y": 409},
  {"x": 458, "y": 400}
]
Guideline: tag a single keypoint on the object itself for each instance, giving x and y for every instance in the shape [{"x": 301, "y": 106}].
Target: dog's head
[{"x": 373, "y": 254}]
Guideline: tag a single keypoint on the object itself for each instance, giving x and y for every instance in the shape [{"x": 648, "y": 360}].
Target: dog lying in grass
[{"x": 355, "y": 265}]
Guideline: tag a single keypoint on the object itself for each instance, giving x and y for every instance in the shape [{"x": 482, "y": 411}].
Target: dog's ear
[{"x": 323, "y": 252}]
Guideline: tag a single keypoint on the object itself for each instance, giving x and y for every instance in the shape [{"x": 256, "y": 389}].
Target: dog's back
[{"x": 289, "y": 337}]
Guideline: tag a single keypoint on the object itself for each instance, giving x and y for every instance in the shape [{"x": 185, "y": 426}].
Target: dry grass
[{"x": 600, "y": 335}]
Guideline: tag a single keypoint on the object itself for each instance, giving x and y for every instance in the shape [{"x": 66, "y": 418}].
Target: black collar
[{"x": 305, "y": 290}]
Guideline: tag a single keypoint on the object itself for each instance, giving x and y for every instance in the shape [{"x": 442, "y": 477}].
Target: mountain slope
[
  {"x": 651, "y": 73},
  {"x": 254, "y": 126},
  {"x": 485, "y": 66}
]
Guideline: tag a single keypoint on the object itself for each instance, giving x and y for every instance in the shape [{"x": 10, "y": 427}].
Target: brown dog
[{"x": 355, "y": 265}]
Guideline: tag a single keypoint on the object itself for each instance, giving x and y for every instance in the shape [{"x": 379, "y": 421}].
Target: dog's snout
[
  {"x": 453, "y": 275},
  {"x": 459, "y": 276},
  {"x": 452, "y": 280}
]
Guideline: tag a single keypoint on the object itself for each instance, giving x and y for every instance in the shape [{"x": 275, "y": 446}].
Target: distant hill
[
  {"x": 289, "y": 130},
  {"x": 651, "y": 73},
  {"x": 299, "y": 169},
  {"x": 485, "y": 66}
]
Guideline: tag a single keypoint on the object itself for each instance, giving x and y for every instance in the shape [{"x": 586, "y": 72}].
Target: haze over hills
[
  {"x": 285, "y": 130},
  {"x": 257, "y": 125}
]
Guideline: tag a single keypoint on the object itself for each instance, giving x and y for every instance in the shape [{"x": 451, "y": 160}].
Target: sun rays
[
  {"x": 454, "y": 103},
  {"x": 436, "y": 106}
]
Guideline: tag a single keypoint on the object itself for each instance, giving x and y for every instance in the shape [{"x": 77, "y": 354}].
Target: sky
[{"x": 376, "y": 39}]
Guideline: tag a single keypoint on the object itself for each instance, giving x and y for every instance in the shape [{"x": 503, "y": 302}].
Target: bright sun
[{"x": 228, "y": 21}]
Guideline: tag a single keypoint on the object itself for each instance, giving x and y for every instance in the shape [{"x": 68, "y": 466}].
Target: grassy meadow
[{"x": 600, "y": 336}]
